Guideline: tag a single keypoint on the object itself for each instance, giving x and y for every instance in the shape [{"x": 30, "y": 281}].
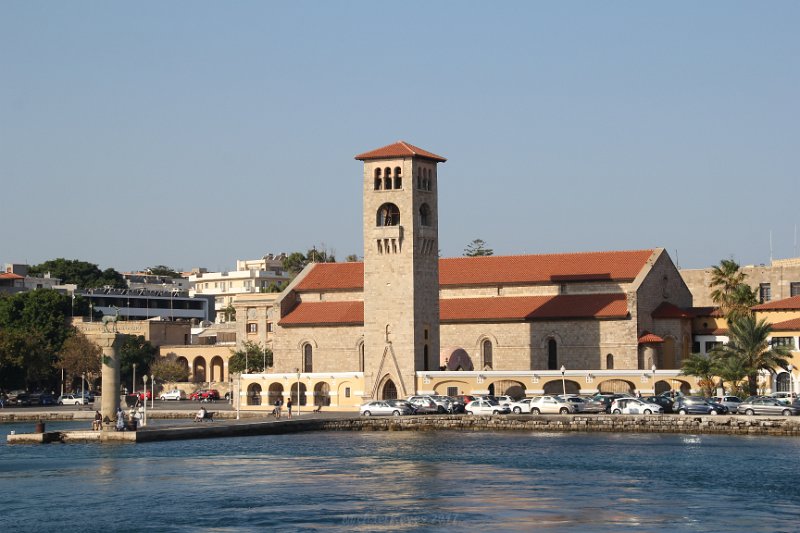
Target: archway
[
  {"x": 389, "y": 391},
  {"x": 274, "y": 393},
  {"x": 199, "y": 369},
  {"x": 662, "y": 386},
  {"x": 455, "y": 358},
  {"x": 322, "y": 394},
  {"x": 302, "y": 399},
  {"x": 217, "y": 369},
  {"x": 783, "y": 382},
  {"x": 616, "y": 386},
  {"x": 509, "y": 387},
  {"x": 254, "y": 394},
  {"x": 557, "y": 387},
  {"x": 183, "y": 362}
]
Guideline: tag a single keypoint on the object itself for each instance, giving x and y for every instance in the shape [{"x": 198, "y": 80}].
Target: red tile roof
[
  {"x": 787, "y": 325},
  {"x": 325, "y": 313},
  {"x": 474, "y": 309},
  {"x": 712, "y": 331},
  {"x": 399, "y": 149},
  {"x": 494, "y": 270},
  {"x": 668, "y": 310},
  {"x": 10, "y": 275},
  {"x": 533, "y": 307},
  {"x": 648, "y": 338},
  {"x": 787, "y": 303},
  {"x": 698, "y": 312}
]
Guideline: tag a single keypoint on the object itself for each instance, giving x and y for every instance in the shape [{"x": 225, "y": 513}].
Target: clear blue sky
[{"x": 195, "y": 133}]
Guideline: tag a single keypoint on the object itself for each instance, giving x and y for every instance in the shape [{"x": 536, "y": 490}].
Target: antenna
[
  {"x": 770, "y": 247},
  {"x": 677, "y": 261},
  {"x": 795, "y": 240}
]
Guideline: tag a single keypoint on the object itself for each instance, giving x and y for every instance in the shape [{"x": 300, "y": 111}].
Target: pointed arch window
[
  {"x": 487, "y": 355},
  {"x": 425, "y": 215},
  {"x": 552, "y": 355},
  {"x": 308, "y": 358},
  {"x": 361, "y": 356}
]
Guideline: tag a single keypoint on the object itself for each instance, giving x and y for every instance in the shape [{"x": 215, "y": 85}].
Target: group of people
[{"x": 279, "y": 405}]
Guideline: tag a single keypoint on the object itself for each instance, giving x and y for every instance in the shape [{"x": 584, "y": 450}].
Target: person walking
[
  {"x": 278, "y": 404},
  {"x": 289, "y": 406}
]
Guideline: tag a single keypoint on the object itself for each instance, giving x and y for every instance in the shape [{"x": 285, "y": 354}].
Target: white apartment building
[{"x": 250, "y": 276}]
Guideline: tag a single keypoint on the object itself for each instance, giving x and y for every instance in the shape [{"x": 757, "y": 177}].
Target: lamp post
[
  {"x": 144, "y": 392},
  {"x": 653, "y": 368},
  {"x": 298, "y": 390},
  {"x": 133, "y": 384},
  {"x": 238, "y": 394},
  {"x": 83, "y": 388},
  {"x": 563, "y": 382},
  {"x": 152, "y": 391},
  {"x": 789, "y": 369}
]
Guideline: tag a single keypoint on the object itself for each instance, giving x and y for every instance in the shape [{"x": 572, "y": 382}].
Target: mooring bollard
[{"x": 39, "y": 427}]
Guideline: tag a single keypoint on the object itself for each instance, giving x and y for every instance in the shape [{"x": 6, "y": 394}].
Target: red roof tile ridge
[{"x": 554, "y": 254}]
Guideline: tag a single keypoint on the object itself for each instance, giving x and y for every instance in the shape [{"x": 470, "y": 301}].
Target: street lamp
[
  {"x": 144, "y": 393},
  {"x": 298, "y": 390},
  {"x": 83, "y": 388},
  {"x": 152, "y": 391},
  {"x": 563, "y": 382},
  {"x": 653, "y": 368},
  {"x": 134, "y": 378}
]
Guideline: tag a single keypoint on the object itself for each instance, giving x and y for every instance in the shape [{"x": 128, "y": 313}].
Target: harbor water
[{"x": 405, "y": 481}]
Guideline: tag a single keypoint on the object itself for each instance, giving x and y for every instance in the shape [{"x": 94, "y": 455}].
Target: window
[
  {"x": 269, "y": 327},
  {"x": 486, "y": 349},
  {"x": 398, "y": 180},
  {"x": 452, "y": 391},
  {"x": 552, "y": 355},
  {"x": 378, "y": 179},
  {"x": 787, "y": 342},
  {"x": 696, "y": 347},
  {"x": 252, "y": 327},
  {"x": 794, "y": 289},
  {"x": 388, "y": 215},
  {"x": 361, "y": 357},
  {"x": 425, "y": 215},
  {"x": 308, "y": 356},
  {"x": 764, "y": 293},
  {"x": 710, "y": 345},
  {"x": 347, "y": 392},
  {"x": 425, "y": 362},
  {"x": 610, "y": 361}
]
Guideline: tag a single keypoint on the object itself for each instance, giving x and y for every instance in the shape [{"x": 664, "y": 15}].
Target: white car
[
  {"x": 550, "y": 405},
  {"x": 485, "y": 407},
  {"x": 71, "y": 399},
  {"x": 522, "y": 406},
  {"x": 634, "y": 406},
  {"x": 380, "y": 407},
  {"x": 175, "y": 394},
  {"x": 504, "y": 400}
]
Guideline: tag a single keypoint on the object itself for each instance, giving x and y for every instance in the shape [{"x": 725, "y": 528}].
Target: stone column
[{"x": 110, "y": 342}]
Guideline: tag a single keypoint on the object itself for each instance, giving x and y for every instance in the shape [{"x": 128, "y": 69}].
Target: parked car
[
  {"x": 423, "y": 405},
  {"x": 144, "y": 395},
  {"x": 71, "y": 399},
  {"x": 521, "y": 406},
  {"x": 550, "y": 405},
  {"x": 486, "y": 407},
  {"x": 403, "y": 403},
  {"x": 208, "y": 395},
  {"x": 18, "y": 399},
  {"x": 607, "y": 398},
  {"x": 381, "y": 407},
  {"x": 785, "y": 398},
  {"x": 663, "y": 401},
  {"x": 443, "y": 404},
  {"x": 635, "y": 406},
  {"x": 47, "y": 399},
  {"x": 577, "y": 401},
  {"x": 731, "y": 402},
  {"x": 696, "y": 405},
  {"x": 764, "y": 405},
  {"x": 174, "y": 394},
  {"x": 504, "y": 400},
  {"x": 594, "y": 405}
]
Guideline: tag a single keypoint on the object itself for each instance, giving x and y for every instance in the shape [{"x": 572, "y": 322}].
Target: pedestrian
[
  {"x": 120, "y": 420},
  {"x": 278, "y": 404},
  {"x": 97, "y": 423},
  {"x": 289, "y": 407}
]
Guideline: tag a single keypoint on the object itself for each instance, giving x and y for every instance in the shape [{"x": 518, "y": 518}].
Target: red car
[
  {"x": 208, "y": 395},
  {"x": 143, "y": 395}
]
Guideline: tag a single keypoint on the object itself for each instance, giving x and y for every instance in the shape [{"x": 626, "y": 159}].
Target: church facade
[{"x": 405, "y": 321}]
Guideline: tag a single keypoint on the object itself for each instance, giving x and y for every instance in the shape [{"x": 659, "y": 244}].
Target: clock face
[{"x": 251, "y": 313}]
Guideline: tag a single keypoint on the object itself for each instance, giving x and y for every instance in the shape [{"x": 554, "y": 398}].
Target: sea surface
[{"x": 404, "y": 481}]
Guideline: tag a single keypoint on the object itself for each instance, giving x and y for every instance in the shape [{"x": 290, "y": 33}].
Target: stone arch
[
  {"x": 441, "y": 388},
  {"x": 342, "y": 392},
  {"x": 455, "y": 358},
  {"x": 199, "y": 369},
  {"x": 275, "y": 392},
  {"x": 254, "y": 394},
  {"x": 616, "y": 386},
  {"x": 360, "y": 351},
  {"x": 662, "y": 386},
  {"x": 387, "y": 389},
  {"x": 181, "y": 360},
  {"x": 308, "y": 358},
  {"x": 783, "y": 382},
  {"x": 322, "y": 394},
  {"x": 388, "y": 215},
  {"x": 217, "y": 369},
  {"x": 610, "y": 361},
  {"x": 425, "y": 215},
  {"x": 556, "y": 386},
  {"x": 301, "y": 399},
  {"x": 513, "y": 388}
]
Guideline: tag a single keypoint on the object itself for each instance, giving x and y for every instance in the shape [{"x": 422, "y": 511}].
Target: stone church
[{"x": 405, "y": 321}]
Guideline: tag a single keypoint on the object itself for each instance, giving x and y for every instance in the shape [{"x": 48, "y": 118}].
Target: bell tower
[{"x": 401, "y": 268}]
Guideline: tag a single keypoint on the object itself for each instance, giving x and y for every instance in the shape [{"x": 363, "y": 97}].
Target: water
[{"x": 405, "y": 481}]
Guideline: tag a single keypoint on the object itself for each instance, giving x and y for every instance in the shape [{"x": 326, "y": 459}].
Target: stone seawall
[{"x": 727, "y": 425}]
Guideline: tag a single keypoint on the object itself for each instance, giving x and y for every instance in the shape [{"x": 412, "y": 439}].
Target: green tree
[
  {"x": 78, "y": 355},
  {"x": 749, "y": 345},
  {"x": 24, "y": 360},
  {"x": 163, "y": 270},
  {"x": 294, "y": 263},
  {"x": 229, "y": 314},
  {"x": 730, "y": 370},
  {"x": 251, "y": 358},
  {"x": 477, "y": 248},
  {"x": 731, "y": 294},
  {"x": 169, "y": 369},
  {"x": 83, "y": 274},
  {"x": 703, "y": 368},
  {"x": 135, "y": 349},
  {"x": 352, "y": 258},
  {"x": 276, "y": 287}
]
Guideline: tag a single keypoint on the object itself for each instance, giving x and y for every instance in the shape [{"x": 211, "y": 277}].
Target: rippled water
[{"x": 405, "y": 481}]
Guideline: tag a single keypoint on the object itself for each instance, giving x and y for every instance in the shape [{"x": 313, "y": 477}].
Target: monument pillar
[{"x": 109, "y": 343}]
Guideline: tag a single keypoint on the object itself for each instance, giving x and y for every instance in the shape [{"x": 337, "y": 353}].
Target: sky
[{"x": 195, "y": 133}]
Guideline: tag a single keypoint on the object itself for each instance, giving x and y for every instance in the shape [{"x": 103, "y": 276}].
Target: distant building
[
  {"x": 15, "y": 278},
  {"x": 142, "y": 304},
  {"x": 779, "y": 280}
]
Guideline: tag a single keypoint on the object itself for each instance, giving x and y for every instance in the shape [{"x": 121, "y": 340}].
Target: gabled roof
[
  {"x": 648, "y": 338},
  {"x": 668, "y": 310},
  {"x": 792, "y": 303},
  {"x": 787, "y": 325},
  {"x": 523, "y": 308},
  {"x": 399, "y": 149},
  {"x": 10, "y": 275},
  {"x": 498, "y": 270}
]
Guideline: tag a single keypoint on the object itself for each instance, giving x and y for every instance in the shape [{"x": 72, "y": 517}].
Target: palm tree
[
  {"x": 702, "y": 367},
  {"x": 729, "y": 370},
  {"x": 748, "y": 344},
  {"x": 733, "y": 296}
]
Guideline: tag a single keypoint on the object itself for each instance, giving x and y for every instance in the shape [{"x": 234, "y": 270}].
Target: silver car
[
  {"x": 550, "y": 405},
  {"x": 763, "y": 405},
  {"x": 380, "y": 407}
]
